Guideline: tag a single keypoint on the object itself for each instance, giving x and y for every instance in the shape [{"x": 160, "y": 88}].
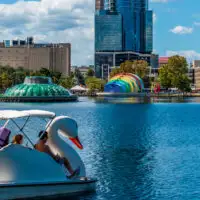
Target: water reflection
[{"x": 146, "y": 99}]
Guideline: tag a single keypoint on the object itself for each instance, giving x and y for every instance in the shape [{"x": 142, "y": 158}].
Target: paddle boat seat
[{"x": 4, "y": 136}]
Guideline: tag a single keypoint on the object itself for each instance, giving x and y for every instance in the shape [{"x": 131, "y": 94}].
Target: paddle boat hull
[
  {"x": 36, "y": 190},
  {"x": 26, "y": 173}
]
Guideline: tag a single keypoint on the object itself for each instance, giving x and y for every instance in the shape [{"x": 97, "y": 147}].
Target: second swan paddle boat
[{"x": 27, "y": 173}]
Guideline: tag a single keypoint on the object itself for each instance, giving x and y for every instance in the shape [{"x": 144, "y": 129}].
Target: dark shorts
[{"x": 59, "y": 160}]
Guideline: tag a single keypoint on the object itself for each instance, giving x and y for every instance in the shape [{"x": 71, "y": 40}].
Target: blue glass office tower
[
  {"x": 137, "y": 24},
  {"x": 125, "y": 8},
  {"x": 122, "y": 26},
  {"x": 136, "y": 20},
  {"x": 148, "y": 31},
  {"x": 108, "y": 32}
]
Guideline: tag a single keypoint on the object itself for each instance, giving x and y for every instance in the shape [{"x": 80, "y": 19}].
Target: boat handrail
[{"x": 22, "y": 128}]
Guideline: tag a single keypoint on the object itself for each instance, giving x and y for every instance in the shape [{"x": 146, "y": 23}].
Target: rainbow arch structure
[{"x": 124, "y": 83}]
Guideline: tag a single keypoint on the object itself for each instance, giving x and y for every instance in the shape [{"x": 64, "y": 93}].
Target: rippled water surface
[{"x": 136, "y": 150}]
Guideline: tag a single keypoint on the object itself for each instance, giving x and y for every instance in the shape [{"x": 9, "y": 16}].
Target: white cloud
[
  {"x": 52, "y": 21},
  {"x": 189, "y": 54},
  {"x": 197, "y": 23},
  {"x": 181, "y": 30}
]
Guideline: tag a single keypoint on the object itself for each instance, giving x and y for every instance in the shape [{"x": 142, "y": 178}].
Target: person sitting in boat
[
  {"x": 18, "y": 139},
  {"x": 43, "y": 147},
  {"x": 4, "y": 137}
]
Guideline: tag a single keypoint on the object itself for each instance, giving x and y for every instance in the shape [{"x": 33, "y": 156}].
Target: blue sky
[{"x": 176, "y": 25}]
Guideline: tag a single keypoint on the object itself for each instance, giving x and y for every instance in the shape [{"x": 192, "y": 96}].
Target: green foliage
[
  {"x": 165, "y": 76},
  {"x": 174, "y": 74},
  {"x": 79, "y": 77},
  {"x": 68, "y": 81},
  {"x": 94, "y": 84},
  {"x": 138, "y": 67},
  {"x": 10, "y": 76},
  {"x": 90, "y": 72}
]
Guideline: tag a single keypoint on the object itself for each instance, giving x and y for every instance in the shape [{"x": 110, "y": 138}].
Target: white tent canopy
[
  {"x": 12, "y": 114},
  {"x": 78, "y": 88}
]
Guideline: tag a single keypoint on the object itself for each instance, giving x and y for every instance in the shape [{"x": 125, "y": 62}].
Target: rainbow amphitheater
[{"x": 124, "y": 83}]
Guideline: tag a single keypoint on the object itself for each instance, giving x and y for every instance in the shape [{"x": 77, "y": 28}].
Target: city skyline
[
  {"x": 122, "y": 25},
  {"x": 176, "y": 25}
]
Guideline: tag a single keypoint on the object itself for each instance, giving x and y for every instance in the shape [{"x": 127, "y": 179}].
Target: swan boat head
[{"x": 67, "y": 128}]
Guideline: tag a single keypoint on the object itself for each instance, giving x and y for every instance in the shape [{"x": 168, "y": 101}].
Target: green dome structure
[{"x": 39, "y": 88}]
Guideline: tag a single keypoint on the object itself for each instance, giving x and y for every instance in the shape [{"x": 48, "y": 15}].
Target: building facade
[
  {"x": 108, "y": 32},
  {"x": 196, "y": 63},
  {"x": 163, "y": 61},
  {"x": 106, "y": 61},
  {"x": 148, "y": 32},
  {"x": 99, "y": 5},
  {"x": 55, "y": 57},
  {"x": 121, "y": 27},
  {"x": 137, "y": 25}
]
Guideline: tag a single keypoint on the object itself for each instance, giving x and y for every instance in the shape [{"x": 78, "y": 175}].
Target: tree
[
  {"x": 184, "y": 83},
  {"x": 44, "y": 72},
  {"x": 67, "y": 82},
  {"x": 138, "y": 67},
  {"x": 79, "y": 77},
  {"x": 165, "y": 77},
  {"x": 95, "y": 84},
  {"x": 5, "y": 81},
  {"x": 18, "y": 77},
  {"x": 174, "y": 74},
  {"x": 90, "y": 72}
]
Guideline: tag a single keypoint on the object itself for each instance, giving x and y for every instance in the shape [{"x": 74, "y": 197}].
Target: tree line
[
  {"x": 10, "y": 77},
  {"x": 173, "y": 74}
]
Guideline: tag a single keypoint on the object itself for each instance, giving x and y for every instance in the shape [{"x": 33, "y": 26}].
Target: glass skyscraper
[
  {"x": 108, "y": 32},
  {"x": 137, "y": 23},
  {"x": 125, "y": 8},
  {"x": 149, "y": 31},
  {"x": 99, "y": 5},
  {"x": 123, "y": 26}
]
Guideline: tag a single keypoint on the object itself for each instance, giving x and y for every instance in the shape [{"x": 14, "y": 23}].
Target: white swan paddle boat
[{"x": 27, "y": 173}]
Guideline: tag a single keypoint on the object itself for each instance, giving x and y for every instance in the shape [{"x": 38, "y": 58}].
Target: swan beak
[{"x": 77, "y": 142}]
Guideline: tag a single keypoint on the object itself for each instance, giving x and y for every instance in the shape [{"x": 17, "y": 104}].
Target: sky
[{"x": 176, "y": 25}]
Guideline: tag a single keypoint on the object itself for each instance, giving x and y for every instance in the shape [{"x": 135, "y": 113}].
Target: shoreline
[{"x": 150, "y": 95}]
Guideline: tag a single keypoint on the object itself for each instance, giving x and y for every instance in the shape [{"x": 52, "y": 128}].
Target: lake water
[{"x": 136, "y": 150}]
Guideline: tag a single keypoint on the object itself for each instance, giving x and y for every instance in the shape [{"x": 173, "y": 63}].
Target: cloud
[
  {"x": 197, "y": 23},
  {"x": 52, "y": 21},
  {"x": 181, "y": 30},
  {"x": 190, "y": 55}
]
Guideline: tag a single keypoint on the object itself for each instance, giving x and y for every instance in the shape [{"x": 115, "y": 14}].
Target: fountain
[{"x": 37, "y": 89}]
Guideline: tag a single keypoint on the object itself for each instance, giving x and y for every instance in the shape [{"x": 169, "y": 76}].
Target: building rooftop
[{"x": 163, "y": 59}]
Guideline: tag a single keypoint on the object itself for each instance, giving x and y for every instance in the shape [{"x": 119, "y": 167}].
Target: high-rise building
[
  {"x": 108, "y": 32},
  {"x": 99, "y": 4},
  {"x": 123, "y": 26},
  {"x": 110, "y": 5},
  {"x": 125, "y": 8},
  {"x": 137, "y": 25}
]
